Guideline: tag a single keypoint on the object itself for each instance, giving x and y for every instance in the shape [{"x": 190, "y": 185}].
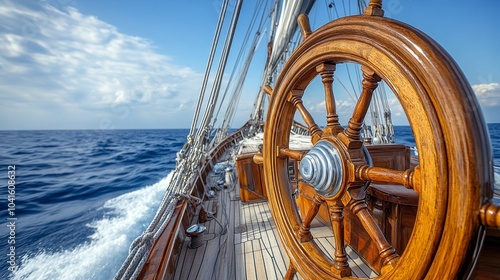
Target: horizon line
[{"x": 110, "y": 129}]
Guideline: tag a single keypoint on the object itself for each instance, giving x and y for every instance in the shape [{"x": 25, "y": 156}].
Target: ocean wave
[{"x": 126, "y": 216}]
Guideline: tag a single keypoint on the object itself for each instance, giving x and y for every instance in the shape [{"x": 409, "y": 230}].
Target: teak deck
[{"x": 250, "y": 249}]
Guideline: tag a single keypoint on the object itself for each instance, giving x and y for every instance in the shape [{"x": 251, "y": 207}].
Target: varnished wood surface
[
  {"x": 453, "y": 176},
  {"x": 251, "y": 178},
  {"x": 395, "y": 194}
]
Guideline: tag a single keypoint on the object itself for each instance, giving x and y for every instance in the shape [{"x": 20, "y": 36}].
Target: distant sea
[{"x": 82, "y": 196}]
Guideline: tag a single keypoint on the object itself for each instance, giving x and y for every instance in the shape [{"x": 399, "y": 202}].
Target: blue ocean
[{"x": 81, "y": 196}]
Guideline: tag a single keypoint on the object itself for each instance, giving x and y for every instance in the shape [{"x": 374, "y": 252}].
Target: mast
[{"x": 286, "y": 27}]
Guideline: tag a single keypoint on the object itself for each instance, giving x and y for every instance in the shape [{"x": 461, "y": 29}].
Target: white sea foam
[{"x": 102, "y": 256}]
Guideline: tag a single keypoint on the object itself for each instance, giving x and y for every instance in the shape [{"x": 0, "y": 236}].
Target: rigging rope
[
  {"x": 205, "y": 130},
  {"x": 209, "y": 66},
  {"x": 224, "y": 127}
]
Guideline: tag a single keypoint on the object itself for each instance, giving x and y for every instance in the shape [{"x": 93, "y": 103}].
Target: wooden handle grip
[{"x": 490, "y": 214}]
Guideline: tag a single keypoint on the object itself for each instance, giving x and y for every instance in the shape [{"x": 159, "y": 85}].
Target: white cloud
[
  {"x": 70, "y": 65},
  {"x": 488, "y": 94}
]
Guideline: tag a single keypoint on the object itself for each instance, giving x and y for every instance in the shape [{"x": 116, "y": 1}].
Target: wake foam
[{"x": 125, "y": 218}]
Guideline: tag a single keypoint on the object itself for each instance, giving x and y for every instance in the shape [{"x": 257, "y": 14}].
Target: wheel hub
[{"x": 322, "y": 168}]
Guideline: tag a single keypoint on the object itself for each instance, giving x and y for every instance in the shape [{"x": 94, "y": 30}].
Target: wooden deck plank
[
  {"x": 249, "y": 261},
  {"x": 216, "y": 248},
  {"x": 240, "y": 261},
  {"x": 260, "y": 265},
  {"x": 233, "y": 220},
  {"x": 324, "y": 238},
  {"x": 270, "y": 243},
  {"x": 239, "y": 224},
  {"x": 180, "y": 267},
  {"x": 265, "y": 242}
]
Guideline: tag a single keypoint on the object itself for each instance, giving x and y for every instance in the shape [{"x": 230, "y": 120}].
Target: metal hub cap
[{"x": 322, "y": 168}]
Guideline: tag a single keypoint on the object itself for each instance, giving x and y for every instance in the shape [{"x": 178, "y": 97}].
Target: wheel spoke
[
  {"x": 326, "y": 71},
  {"x": 490, "y": 214},
  {"x": 290, "y": 273},
  {"x": 387, "y": 253},
  {"x": 294, "y": 154},
  {"x": 258, "y": 158},
  {"x": 406, "y": 178},
  {"x": 340, "y": 258},
  {"x": 314, "y": 130},
  {"x": 370, "y": 83},
  {"x": 304, "y": 233}
]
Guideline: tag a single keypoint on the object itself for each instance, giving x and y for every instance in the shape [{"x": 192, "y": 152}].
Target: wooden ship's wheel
[{"x": 453, "y": 179}]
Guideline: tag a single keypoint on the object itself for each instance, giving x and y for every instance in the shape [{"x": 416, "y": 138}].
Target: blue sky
[{"x": 88, "y": 64}]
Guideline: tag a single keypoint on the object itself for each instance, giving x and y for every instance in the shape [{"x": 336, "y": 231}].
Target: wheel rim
[{"x": 437, "y": 99}]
